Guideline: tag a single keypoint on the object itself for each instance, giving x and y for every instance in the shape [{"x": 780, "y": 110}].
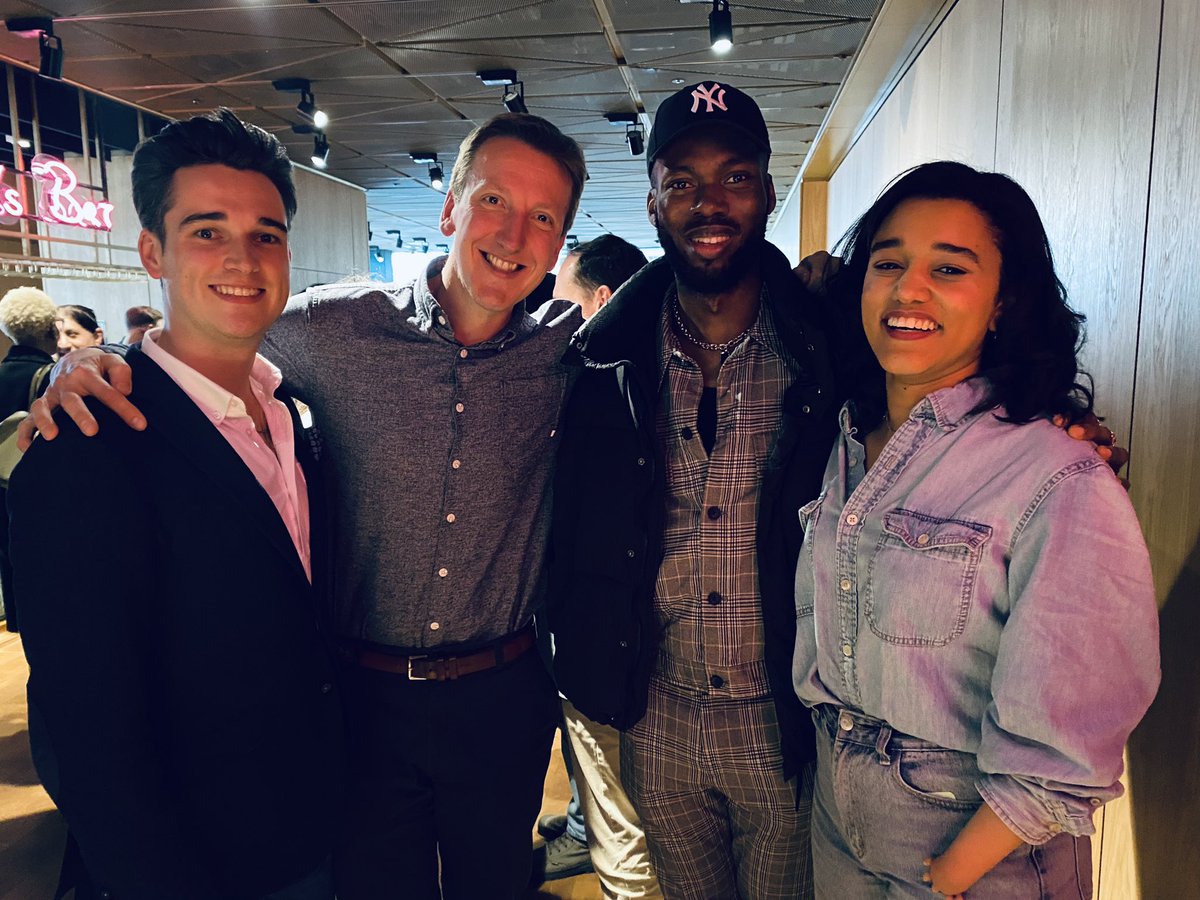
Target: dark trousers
[{"x": 448, "y": 770}]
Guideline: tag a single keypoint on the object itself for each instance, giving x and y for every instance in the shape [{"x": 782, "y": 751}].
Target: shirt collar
[
  {"x": 213, "y": 399},
  {"x": 763, "y": 330},
  {"x": 431, "y": 316},
  {"x": 945, "y": 408}
]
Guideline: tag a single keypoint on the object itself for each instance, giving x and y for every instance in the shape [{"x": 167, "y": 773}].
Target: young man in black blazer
[{"x": 186, "y": 719}]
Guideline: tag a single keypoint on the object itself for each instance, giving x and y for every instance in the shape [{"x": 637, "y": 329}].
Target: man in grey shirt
[{"x": 439, "y": 402}]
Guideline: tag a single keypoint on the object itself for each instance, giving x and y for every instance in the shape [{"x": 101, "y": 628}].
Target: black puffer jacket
[{"x": 609, "y": 498}]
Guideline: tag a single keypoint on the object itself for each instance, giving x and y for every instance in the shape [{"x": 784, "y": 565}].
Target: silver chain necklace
[{"x": 705, "y": 345}]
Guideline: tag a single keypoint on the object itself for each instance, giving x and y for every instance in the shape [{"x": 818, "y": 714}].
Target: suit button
[
  {"x": 686, "y": 434},
  {"x": 326, "y": 688},
  {"x": 714, "y": 512},
  {"x": 806, "y": 409},
  {"x": 631, "y": 553},
  {"x": 717, "y": 681},
  {"x": 714, "y": 598},
  {"x": 624, "y": 645}
]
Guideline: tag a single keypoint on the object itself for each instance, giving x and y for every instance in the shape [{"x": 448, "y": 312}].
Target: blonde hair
[{"x": 27, "y": 315}]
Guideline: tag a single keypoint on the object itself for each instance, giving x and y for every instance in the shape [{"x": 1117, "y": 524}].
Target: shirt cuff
[{"x": 1034, "y": 813}]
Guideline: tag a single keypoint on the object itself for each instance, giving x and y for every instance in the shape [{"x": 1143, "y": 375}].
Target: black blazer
[{"x": 183, "y": 707}]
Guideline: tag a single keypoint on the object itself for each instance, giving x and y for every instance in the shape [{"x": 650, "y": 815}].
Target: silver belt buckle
[{"x": 411, "y": 676}]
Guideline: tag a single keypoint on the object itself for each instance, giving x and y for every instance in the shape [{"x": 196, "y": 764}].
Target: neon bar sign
[{"x": 57, "y": 201}]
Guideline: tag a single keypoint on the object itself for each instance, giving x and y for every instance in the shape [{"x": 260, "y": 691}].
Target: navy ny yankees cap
[{"x": 706, "y": 104}]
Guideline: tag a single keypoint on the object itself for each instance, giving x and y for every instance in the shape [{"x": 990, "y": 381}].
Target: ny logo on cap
[{"x": 713, "y": 98}]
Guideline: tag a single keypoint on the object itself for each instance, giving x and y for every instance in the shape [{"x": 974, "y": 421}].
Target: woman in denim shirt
[{"x": 976, "y": 625}]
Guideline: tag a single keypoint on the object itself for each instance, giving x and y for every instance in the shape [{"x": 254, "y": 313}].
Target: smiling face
[
  {"x": 72, "y": 335},
  {"x": 930, "y": 294},
  {"x": 709, "y": 201},
  {"x": 223, "y": 262},
  {"x": 508, "y": 226}
]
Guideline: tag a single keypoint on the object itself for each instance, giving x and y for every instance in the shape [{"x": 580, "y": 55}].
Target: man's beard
[{"x": 708, "y": 280}]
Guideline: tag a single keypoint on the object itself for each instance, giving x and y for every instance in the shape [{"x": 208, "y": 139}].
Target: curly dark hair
[{"x": 1032, "y": 363}]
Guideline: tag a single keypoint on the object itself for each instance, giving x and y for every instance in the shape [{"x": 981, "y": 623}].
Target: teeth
[
  {"x": 502, "y": 264},
  {"x": 715, "y": 239},
  {"x": 233, "y": 291},
  {"x": 911, "y": 322}
]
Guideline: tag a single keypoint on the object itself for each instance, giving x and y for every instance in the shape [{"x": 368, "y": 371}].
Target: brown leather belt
[{"x": 439, "y": 667}]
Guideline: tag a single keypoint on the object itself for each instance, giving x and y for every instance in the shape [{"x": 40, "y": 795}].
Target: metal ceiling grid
[{"x": 399, "y": 75}]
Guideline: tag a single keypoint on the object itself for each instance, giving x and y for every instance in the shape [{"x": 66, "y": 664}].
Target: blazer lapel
[{"x": 177, "y": 420}]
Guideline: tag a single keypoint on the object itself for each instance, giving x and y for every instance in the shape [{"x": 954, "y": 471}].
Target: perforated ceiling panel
[{"x": 399, "y": 76}]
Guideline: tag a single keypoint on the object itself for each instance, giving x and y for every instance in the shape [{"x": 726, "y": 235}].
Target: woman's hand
[
  {"x": 944, "y": 879},
  {"x": 983, "y": 842}
]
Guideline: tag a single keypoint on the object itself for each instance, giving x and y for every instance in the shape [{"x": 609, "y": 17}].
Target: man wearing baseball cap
[{"x": 701, "y": 420}]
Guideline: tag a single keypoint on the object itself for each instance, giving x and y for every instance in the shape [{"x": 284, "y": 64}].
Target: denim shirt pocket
[
  {"x": 921, "y": 577},
  {"x": 806, "y": 575}
]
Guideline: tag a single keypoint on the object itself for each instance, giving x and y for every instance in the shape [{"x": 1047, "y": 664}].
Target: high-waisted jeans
[{"x": 885, "y": 801}]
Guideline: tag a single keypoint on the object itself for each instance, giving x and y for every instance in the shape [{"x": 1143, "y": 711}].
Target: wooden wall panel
[
  {"x": 1165, "y": 759},
  {"x": 943, "y": 108},
  {"x": 1074, "y": 125},
  {"x": 785, "y": 232},
  {"x": 814, "y": 210},
  {"x": 329, "y": 236}
]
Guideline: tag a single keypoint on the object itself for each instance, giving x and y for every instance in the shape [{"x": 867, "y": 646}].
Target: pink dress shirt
[{"x": 276, "y": 470}]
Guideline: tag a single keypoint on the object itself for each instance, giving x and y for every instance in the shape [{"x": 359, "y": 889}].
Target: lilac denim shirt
[{"x": 985, "y": 586}]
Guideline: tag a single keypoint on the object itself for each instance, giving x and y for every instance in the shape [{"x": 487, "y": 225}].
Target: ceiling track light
[
  {"x": 635, "y": 137},
  {"x": 429, "y": 158},
  {"x": 497, "y": 77},
  {"x": 621, "y": 118},
  {"x": 513, "y": 98},
  {"x": 720, "y": 26},
  {"x": 307, "y": 107},
  {"x": 399, "y": 240},
  {"x": 320, "y": 154},
  {"x": 50, "y": 48}
]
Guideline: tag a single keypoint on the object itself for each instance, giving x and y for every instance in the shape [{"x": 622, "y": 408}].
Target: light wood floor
[{"x": 32, "y": 832}]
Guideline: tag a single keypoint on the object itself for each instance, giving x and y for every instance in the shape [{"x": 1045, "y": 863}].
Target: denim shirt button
[
  {"x": 846, "y": 723},
  {"x": 1054, "y": 828},
  {"x": 852, "y": 519},
  {"x": 1095, "y": 801},
  {"x": 845, "y": 584},
  {"x": 922, "y": 539},
  {"x": 847, "y": 650}
]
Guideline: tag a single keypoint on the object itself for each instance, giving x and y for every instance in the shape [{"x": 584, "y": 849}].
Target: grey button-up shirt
[{"x": 443, "y": 456}]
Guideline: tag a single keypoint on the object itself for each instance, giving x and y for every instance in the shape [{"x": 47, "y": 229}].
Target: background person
[
  {"x": 139, "y": 320},
  {"x": 945, "y": 551},
  {"x": 28, "y": 318},
  {"x": 600, "y": 830},
  {"x": 77, "y": 328},
  {"x": 591, "y": 273}
]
